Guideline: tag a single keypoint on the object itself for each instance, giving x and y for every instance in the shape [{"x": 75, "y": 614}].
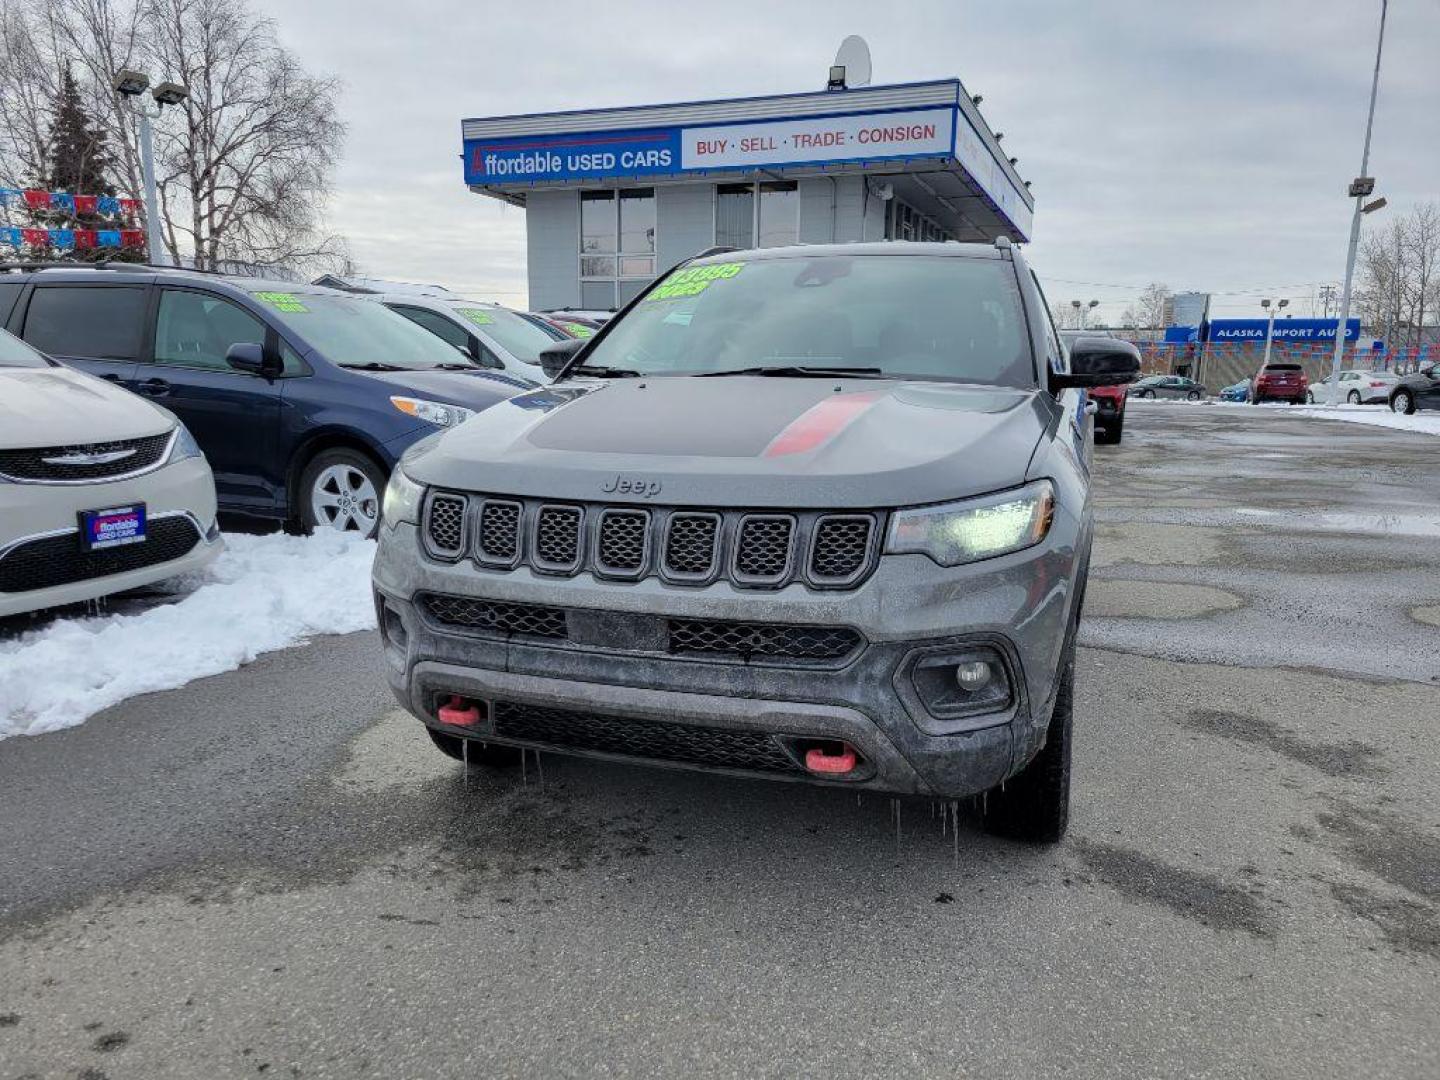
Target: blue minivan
[{"x": 302, "y": 397}]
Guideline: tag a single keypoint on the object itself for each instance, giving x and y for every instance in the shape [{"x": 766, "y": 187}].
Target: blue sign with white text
[
  {"x": 1285, "y": 329},
  {"x": 580, "y": 156}
]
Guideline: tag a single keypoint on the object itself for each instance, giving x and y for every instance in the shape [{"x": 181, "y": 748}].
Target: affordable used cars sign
[{"x": 656, "y": 151}]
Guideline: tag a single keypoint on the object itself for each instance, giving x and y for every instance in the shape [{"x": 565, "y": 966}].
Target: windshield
[
  {"x": 15, "y": 353},
  {"x": 357, "y": 333},
  {"x": 917, "y": 317},
  {"x": 517, "y": 335}
]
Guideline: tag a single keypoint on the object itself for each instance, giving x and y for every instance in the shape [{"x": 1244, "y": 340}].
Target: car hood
[
  {"x": 744, "y": 441},
  {"x": 478, "y": 389},
  {"x": 56, "y": 406}
]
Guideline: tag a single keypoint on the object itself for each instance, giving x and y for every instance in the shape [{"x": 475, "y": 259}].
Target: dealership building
[{"x": 613, "y": 197}]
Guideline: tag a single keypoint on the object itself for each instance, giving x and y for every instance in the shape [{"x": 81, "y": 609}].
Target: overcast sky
[{"x": 1206, "y": 146}]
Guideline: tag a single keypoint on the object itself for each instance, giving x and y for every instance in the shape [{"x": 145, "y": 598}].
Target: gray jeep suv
[{"x": 814, "y": 513}]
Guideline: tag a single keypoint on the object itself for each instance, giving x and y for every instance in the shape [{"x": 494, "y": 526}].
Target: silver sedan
[{"x": 1356, "y": 387}]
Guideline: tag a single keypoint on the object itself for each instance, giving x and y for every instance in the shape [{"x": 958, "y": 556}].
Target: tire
[
  {"x": 1034, "y": 804},
  {"x": 1193, "y": 395},
  {"x": 1110, "y": 434},
  {"x": 489, "y": 755},
  {"x": 1353, "y": 397},
  {"x": 1402, "y": 401},
  {"x": 1309, "y": 398},
  {"x": 341, "y": 489},
  {"x": 1147, "y": 394}
]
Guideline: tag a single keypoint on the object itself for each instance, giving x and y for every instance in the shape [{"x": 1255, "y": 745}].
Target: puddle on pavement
[
  {"x": 1430, "y": 615},
  {"x": 1381, "y": 524},
  {"x": 1156, "y": 545},
  {"x": 392, "y": 753},
  {"x": 1157, "y": 600}
]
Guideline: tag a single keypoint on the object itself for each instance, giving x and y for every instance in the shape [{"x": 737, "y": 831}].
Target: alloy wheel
[
  {"x": 1400, "y": 403},
  {"x": 344, "y": 499}
]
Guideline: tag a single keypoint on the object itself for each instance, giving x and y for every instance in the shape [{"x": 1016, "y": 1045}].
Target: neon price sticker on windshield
[
  {"x": 476, "y": 316},
  {"x": 579, "y": 330},
  {"x": 693, "y": 280},
  {"x": 287, "y": 302}
]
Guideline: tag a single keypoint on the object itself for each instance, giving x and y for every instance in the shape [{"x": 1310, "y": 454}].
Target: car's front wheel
[
  {"x": 1402, "y": 402},
  {"x": 1353, "y": 397},
  {"x": 1111, "y": 432},
  {"x": 1193, "y": 395},
  {"x": 1309, "y": 398},
  {"x": 340, "y": 489},
  {"x": 1147, "y": 394},
  {"x": 1034, "y": 804}
]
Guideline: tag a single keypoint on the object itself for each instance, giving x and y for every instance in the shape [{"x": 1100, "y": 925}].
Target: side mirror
[
  {"x": 250, "y": 358},
  {"x": 554, "y": 357},
  {"x": 1098, "y": 362}
]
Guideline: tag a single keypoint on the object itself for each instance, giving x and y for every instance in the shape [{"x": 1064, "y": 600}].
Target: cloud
[{"x": 1204, "y": 145}]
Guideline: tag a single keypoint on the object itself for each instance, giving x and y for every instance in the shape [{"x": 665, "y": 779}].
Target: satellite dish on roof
[{"x": 854, "y": 56}]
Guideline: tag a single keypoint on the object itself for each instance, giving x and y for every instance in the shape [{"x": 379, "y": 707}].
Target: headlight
[
  {"x": 976, "y": 529},
  {"x": 402, "y": 499},
  {"x": 185, "y": 446},
  {"x": 432, "y": 412}
]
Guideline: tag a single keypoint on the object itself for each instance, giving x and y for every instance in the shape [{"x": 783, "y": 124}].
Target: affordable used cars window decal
[
  {"x": 580, "y": 330},
  {"x": 476, "y": 316},
  {"x": 693, "y": 280},
  {"x": 282, "y": 301}
]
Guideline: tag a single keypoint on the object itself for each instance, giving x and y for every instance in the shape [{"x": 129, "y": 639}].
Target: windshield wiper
[
  {"x": 372, "y": 365},
  {"x": 605, "y": 372},
  {"x": 456, "y": 367},
  {"x": 799, "y": 373}
]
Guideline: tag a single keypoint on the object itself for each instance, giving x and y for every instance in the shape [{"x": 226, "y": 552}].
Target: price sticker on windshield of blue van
[
  {"x": 476, "y": 316},
  {"x": 693, "y": 280},
  {"x": 282, "y": 301}
]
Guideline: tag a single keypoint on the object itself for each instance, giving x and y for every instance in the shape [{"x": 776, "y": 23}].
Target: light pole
[
  {"x": 131, "y": 84},
  {"x": 1079, "y": 315},
  {"x": 1088, "y": 309},
  {"x": 1270, "y": 327},
  {"x": 1360, "y": 189}
]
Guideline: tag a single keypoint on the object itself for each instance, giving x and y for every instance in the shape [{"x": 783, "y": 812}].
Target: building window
[
  {"x": 907, "y": 223},
  {"x": 617, "y": 245},
  {"x": 769, "y": 211}
]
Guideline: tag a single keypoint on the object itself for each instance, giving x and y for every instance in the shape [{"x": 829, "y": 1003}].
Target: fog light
[{"x": 972, "y": 675}]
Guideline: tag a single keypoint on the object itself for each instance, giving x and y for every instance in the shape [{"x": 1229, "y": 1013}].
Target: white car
[
  {"x": 490, "y": 335},
  {"x": 101, "y": 491},
  {"x": 1356, "y": 387}
]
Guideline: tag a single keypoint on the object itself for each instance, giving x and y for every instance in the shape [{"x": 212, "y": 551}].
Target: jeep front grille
[
  {"x": 683, "y": 546},
  {"x": 495, "y": 618},
  {"x": 744, "y": 640}
]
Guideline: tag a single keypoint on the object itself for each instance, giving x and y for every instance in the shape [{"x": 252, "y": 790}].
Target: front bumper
[
  {"x": 28, "y": 512},
  {"x": 1020, "y": 605}
]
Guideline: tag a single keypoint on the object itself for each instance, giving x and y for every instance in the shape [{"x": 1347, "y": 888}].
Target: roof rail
[{"x": 103, "y": 264}]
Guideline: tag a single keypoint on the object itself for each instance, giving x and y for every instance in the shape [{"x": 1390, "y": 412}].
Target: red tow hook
[
  {"x": 818, "y": 760},
  {"x": 459, "y": 712}
]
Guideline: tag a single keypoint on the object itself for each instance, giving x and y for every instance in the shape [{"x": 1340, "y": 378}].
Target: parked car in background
[
  {"x": 492, "y": 336},
  {"x": 301, "y": 397},
  {"x": 101, "y": 491},
  {"x": 1279, "y": 382},
  {"x": 1418, "y": 391},
  {"x": 1167, "y": 386},
  {"x": 1239, "y": 391},
  {"x": 593, "y": 317},
  {"x": 1109, "y": 400},
  {"x": 1356, "y": 388}
]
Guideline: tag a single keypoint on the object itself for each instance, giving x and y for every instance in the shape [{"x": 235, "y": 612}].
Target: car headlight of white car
[
  {"x": 403, "y": 497},
  {"x": 432, "y": 412},
  {"x": 975, "y": 529},
  {"x": 184, "y": 447}
]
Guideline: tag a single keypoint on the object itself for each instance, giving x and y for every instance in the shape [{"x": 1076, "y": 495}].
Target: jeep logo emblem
[{"x": 623, "y": 485}]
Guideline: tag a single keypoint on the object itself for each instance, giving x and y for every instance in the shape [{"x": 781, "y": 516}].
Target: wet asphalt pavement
[{"x": 271, "y": 873}]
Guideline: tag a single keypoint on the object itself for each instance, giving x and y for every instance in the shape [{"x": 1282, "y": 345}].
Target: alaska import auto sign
[
  {"x": 661, "y": 151},
  {"x": 1285, "y": 329}
]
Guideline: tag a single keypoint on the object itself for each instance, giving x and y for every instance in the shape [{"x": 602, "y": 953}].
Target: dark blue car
[{"x": 302, "y": 398}]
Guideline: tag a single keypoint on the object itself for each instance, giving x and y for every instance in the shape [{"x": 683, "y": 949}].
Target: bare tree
[
  {"x": 243, "y": 166},
  {"x": 1399, "y": 290},
  {"x": 1149, "y": 309}
]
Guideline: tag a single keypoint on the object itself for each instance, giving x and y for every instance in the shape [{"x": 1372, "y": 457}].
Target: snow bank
[
  {"x": 262, "y": 593},
  {"x": 1426, "y": 423}
]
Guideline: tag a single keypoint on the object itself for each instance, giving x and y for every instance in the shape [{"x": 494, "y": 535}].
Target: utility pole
[{"x": 1360, "y": 189}]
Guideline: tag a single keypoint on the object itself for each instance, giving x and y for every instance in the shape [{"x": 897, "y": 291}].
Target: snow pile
[
  {"x": 1426, "y": 423},
  {"x": 262, "y": 593}
]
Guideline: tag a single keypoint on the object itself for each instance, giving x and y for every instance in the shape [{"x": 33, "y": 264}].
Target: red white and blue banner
[
  {"x": 71, "y": 239},
  {"x": 62, "y": 202}
]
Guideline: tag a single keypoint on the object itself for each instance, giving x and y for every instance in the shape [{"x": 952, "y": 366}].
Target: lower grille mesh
[
  {"x": 496, "y": 617},
  {"x": 58, "y": 560},
  {"x": 654, "y": 740},
  {"x": 775, "y": 640}
]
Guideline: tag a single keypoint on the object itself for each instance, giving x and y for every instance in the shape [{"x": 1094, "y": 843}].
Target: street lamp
[
  {"x": 1361, "y": 188},
  {"x": 1270, "y": 328},
  {"x": 1082, "y": 310},
  {"x": 132, "y": 84}
]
